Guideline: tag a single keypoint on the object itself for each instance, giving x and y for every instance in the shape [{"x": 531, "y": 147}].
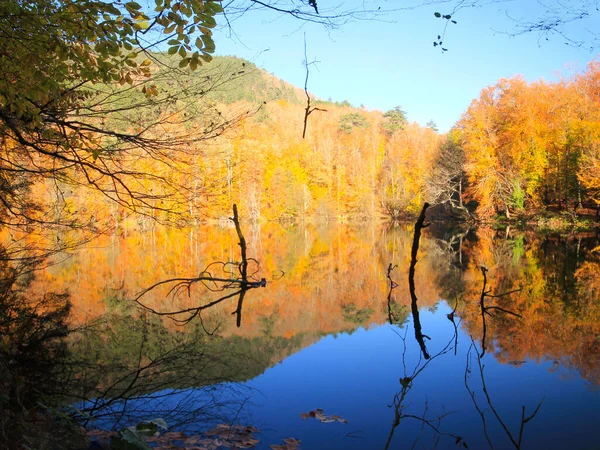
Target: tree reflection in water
[
  {"x": 399, "y": 403},
  {"x": 128, "y": 364}
]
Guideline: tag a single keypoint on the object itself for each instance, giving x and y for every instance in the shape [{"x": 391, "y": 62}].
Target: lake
[{"x": 327, "y": 353}]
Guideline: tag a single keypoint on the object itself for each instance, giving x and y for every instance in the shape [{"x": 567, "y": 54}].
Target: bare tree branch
[
  {"x": 241, "y": 282},
  {"x": 419, "y": 336}
]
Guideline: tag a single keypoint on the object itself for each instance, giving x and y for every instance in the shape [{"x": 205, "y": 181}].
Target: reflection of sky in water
[{"x": 357, "y": 376}]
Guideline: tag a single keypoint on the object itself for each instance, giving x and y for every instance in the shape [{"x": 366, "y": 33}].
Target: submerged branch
[
  {"x": 516, "y": 442},
  {"x": 419, "y": 336},
  {"x": 392, "y": 319},
  {"x": 486, "y": 309},
  {"x": 406, "y": 382},
  {"x": 241, "y": 281}
]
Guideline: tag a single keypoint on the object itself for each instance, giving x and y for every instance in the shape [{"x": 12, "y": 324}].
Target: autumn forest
[
  {"x": 519, "y": 149},
  {"x": 192, "y": 248}
]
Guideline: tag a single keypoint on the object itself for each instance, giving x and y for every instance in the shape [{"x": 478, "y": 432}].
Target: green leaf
[
  {"x": 133, "y": 5},
  {"x": 111, "y": 9},
  {"x": 216, "y": 7},
  {"x": 184, "y": 62},
  {"x": 209, "y": 44},
  {"x": 437, "y": 14},
  {"x": 173, "y": 50},
  {"x": 209, "y": 21}
]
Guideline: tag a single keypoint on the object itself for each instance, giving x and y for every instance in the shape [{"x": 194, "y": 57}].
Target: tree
[
  {"x": 353, "y": 120},
  {"x": 410, "y": 155},
  {"x": 431, "y": 124},
  {"x": 395, "y": 120},
  {"x": 446, "y": 180}
]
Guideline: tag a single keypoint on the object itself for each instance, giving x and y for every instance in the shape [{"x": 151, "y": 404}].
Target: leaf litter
[{"x": 320, "y": 415}]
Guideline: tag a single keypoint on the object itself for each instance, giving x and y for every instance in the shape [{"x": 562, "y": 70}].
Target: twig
[
  {"x": 406, "y": 382},
  {"x": 472, "y": 395},
  {"x": 517, "y": 443},
  {"x": 393, "y": 285},
  {"x": 308, "y": 110},
  {"x": 485, "y": 309}
]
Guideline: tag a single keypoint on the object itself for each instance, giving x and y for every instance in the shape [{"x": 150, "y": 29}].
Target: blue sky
[{"x": 384, "y": 63}]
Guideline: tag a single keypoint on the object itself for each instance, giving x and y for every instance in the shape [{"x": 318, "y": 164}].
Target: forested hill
[
  {"x": 237, "y": 80},
  {"x": 183, "y": 146},
  {"x": 232, "y": 133}
]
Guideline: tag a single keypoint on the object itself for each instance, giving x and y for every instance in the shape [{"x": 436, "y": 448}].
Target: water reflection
[{"x": 325, "y": 319}]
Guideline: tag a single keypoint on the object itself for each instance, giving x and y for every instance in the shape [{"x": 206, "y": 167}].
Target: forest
[{"x": 519, "y": 150}]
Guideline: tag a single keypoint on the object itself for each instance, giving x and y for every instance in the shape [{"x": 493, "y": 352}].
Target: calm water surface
[{"x": 328, "y": 332}]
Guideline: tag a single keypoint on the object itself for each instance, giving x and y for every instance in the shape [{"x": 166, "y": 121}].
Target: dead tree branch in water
[
  {"x": 391, "y": 317},
  {"x": 419, "y": 336},
  {"x": 516, "y": 441},
  {"x": 237, "y": 278},
  {"x": 485, "y": 310},
  {"x": 406, "y": 383},
  {"x": 308, "y": 110}
]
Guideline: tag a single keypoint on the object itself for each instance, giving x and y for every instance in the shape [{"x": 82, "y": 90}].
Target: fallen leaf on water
[
  {"x": 320, "y": 415},
  {"x": 250, "y": 443}
]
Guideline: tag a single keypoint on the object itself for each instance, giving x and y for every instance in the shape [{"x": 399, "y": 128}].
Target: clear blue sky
[{"x": 384, "y": 63}]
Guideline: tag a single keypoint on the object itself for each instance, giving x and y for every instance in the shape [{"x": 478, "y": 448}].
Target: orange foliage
[{"x": 532, "y": 145}]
